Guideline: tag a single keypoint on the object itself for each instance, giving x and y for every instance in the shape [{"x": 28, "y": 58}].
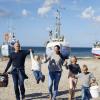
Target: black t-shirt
[
  {"x": 17, "y": 59},
  {"x": 74, "y": 68}
]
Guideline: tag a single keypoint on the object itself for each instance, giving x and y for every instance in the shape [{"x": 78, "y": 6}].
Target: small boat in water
[
  {"x": 55, "y": 38},
  {"x": 96, "y": 49},
  {"x": 7, "y": 46}
]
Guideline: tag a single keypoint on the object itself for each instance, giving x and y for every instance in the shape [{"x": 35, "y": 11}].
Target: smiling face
[
  {"x": 85, "y": 69},
  {"x": 73, "y": 60},
  {"x": 57, "y": 49},
  {"x": 17, "y": 46},
  {"x": 37, "y": 57}
]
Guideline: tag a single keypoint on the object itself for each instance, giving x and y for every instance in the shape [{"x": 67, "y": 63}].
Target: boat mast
[{"x": 58, "y": 24}]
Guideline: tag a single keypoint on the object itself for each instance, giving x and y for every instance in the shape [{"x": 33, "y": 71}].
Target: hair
[
  {"x": 57, "y": 46},
  {"x": 85, "y": 66},
  {"x": 37, "y": 57},
  {"x": 17, "y": 42},
  {"x": 73, "y": 57}
]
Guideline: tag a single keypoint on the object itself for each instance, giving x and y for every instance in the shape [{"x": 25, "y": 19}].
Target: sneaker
[{"x": 43, "y": 78}]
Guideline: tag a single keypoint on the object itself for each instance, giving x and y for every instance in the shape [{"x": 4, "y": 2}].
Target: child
[
  {"x": 86, "y": 78},
  {"x": 74, "y": 69},
  {"x": 36, "y": 68}
]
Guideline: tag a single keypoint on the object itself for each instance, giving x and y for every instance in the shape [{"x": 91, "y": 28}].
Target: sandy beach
[{"x": 40, "y": 91}]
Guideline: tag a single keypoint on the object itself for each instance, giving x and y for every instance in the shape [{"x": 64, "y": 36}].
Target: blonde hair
[
  {"x": 85, "y": 67},
  {"x": 37, "y": 57},
  {"x": 74, "y": 58}
]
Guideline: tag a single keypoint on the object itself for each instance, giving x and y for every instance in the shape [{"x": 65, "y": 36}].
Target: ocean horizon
[
  {"x": 80, "y": 52},
  {"x": 75, "y": 51}
]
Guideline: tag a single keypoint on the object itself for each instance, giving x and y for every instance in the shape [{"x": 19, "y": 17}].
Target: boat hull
[
  {"x": 64, "y": 49},
  {"x": 96, "y": 52},
  {"x": 5, "y": 50}
]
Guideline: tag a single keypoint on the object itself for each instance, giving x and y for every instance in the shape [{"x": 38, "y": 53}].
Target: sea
[{"x": 80, "y": 52}]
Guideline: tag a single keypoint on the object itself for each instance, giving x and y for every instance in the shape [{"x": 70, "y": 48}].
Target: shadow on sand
[
  {"x": 37, "y": 96},
  {"x": 45, "y": 96}
]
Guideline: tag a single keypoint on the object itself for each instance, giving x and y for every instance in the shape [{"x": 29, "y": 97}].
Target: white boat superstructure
[
  {"x": 7, "y": 46},
  {"x": 55, "y": 38}
]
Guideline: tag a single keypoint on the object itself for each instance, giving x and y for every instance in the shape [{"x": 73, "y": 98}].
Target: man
[{"x": 17, "y": 59}]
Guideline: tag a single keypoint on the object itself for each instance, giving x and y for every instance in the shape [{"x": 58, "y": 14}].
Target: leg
[
  {"x": 21, "y": 84},
  {"x": 56, "y": 83},
  {"x": 84, "y": 93},
  {"x": 36, "y": 75},
  {"x": 74, "y": 86},
  {"x": 15, "y": 81},
  {"x": 88, "y": 94},
  {"x": 70, "y": 88},
  {"x": 50, "y": 83},
  {"x": 41, "y": 76}
]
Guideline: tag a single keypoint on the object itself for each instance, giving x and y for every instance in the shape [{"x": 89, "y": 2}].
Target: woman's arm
[{"x": 46, "y": 59}]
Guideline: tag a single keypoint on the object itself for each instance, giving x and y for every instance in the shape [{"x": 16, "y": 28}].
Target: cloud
[
  {"x": 96, "y": 18},
  {"x": 4, "y": 13},
  {"x": 47, "y": 6},
  {"x": 89, "y": 13},
  {"x": 25, "y": 12}
]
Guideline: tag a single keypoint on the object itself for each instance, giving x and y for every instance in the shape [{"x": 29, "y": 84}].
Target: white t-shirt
[{"x": 36, "y": 65}]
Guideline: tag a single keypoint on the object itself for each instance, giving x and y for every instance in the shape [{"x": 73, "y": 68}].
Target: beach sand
[{"x": 40, "y": 91}]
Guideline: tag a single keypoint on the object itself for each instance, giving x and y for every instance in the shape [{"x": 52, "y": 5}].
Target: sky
[{"x": 31, "y": 20}]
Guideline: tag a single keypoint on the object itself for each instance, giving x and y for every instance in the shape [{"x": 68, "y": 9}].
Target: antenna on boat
[{"x": 58, "y": 24}]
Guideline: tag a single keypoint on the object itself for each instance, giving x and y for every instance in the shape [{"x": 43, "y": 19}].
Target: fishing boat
[
  {"x": 7, "y": 46},
  {"x": 55, "y": 38},
  {"x": 96, "y": 49}
]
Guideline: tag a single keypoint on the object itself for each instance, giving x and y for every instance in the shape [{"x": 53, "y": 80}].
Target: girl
[
  {"x": 74, "y": 69},
  {"x": 36, "y": 68}
]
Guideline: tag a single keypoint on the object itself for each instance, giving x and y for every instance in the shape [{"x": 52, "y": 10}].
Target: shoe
[
  {"x": 23, "y": 97},
  {"x": 43, "y": 78},
  {"x": 38, "y": 81},
  {"x": 50, "y": 97},
  {"x": 17, "y": 98}
]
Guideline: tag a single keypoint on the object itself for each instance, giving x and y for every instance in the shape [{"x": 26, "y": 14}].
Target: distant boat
[
  {"x": 96, "y": 49},
  {"x": 7, "y": 46},
  {"x": 55, "y": 38}
]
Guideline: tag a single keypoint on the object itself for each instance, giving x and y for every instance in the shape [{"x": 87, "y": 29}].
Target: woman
[
  {"x": 74, "y": 69},
  {"x": 55, "y": 70}
]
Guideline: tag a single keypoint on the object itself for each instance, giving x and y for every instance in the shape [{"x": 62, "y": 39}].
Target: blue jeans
[
  {"x": 86, "y": 93},
  {"x": 38, "y": 75},
  {"x": 54, "y": 78},
  {"x": 18, "y": 80}
]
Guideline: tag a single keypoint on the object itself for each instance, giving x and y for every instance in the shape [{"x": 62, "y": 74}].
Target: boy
[{"x": 86, "y": 78}]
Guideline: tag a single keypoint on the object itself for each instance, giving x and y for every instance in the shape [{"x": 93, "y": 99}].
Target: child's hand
[
  {"x": 30, "y": 49},
  {"x": 65, "y": 62}
]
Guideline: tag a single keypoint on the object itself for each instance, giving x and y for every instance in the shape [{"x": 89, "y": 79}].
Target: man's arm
[
  {"x": 8, "y": 65},
  {"x": 27, "y": 52}
]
